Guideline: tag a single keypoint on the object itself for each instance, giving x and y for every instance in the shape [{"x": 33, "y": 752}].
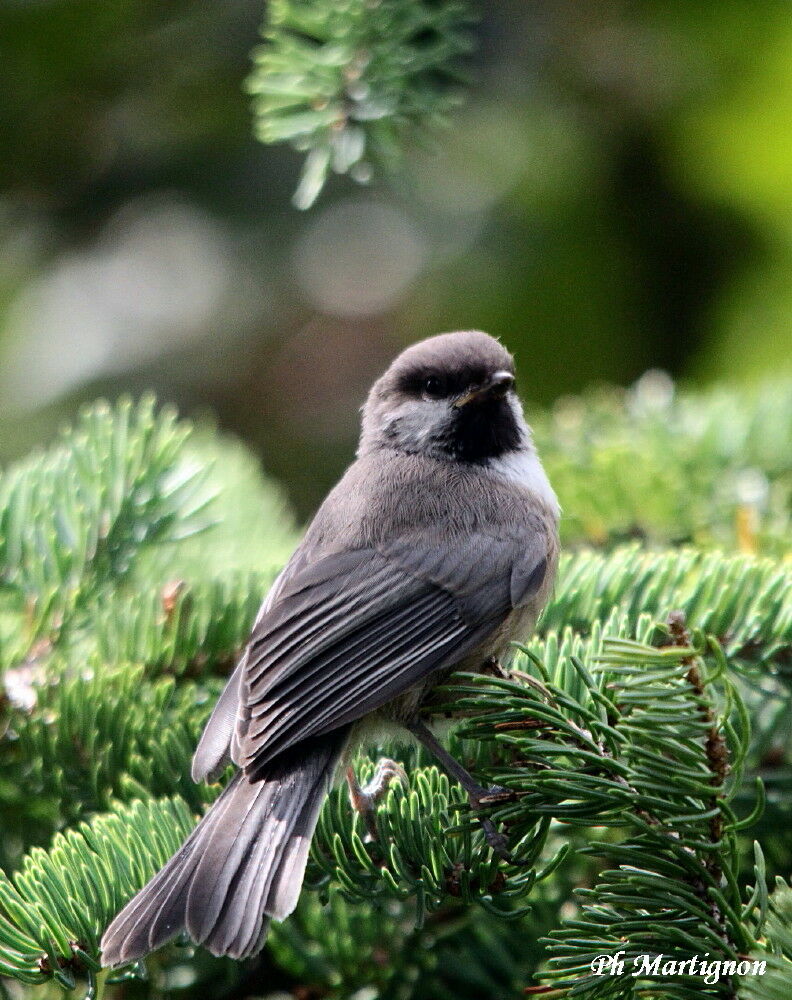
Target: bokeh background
[{"x": 615, "y": 195}]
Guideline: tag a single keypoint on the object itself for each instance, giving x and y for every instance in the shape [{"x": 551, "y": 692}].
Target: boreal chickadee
[{"x": 437, "y": 547}]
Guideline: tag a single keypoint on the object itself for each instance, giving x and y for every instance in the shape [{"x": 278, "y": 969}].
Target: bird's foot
[
  {"x": 365, "y": 798},
  {"x": 492, "y": 666},
  {"x": 498, "y": 841},
  {"x": 492, "y": 796},
  {"x": 478, "y": 796}
]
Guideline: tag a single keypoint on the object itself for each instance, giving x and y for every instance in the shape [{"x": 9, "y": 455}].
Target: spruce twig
[{"x": 346, "y": 82}]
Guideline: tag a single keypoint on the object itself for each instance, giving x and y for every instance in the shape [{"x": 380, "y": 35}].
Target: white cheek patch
[
  {"x": 414, "y": 425},
  {"x": 420, "y": 426}
]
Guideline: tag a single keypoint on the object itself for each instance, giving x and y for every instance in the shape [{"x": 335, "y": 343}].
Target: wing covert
[
  {"x": 343, "y": 638},
  {"x": 344, "y": 633}
]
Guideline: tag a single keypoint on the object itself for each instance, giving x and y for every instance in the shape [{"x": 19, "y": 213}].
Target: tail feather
[
  {"x": 235, "y": 843},
  {"x": 243, "y": 864},
  {"x": 249, "y": 895},
  {"x": 279, "y": 892}
]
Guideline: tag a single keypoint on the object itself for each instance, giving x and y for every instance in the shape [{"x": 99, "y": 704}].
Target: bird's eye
[{"x": 433, "y": 386}]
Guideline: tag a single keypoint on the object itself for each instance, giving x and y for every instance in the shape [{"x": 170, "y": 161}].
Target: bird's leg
[
  {"x": 364, "y": 798},
  {"x": 478, "y": 796},
  {"x": 492, "y": 666}
]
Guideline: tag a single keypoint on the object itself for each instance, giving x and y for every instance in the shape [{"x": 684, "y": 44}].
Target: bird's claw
[
  {"x": 492, "y": 666},
  {"x": 491, "y": 796},
  {"x": 365, "y": 798},
  {"x": 499, "y": 844},
  {"x": 497, "y": 841}
]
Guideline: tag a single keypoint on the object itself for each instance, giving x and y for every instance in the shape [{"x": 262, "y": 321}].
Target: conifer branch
[
  {"x": 346, "y": 82},
  {"x": 53, "y": 912},
  {"x": 775, "y": 949},
  {"x": 118, "y": 625},
  {"x": 598, "y": 751}
]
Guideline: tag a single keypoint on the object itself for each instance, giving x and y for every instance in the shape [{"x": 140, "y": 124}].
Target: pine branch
[
  {"x": 346, "y": 82},
  {"x": 182, "y": 628},
  {"x": 101, "y": 735},
  {"x": 745, "y": 602},
  {"x": 574, "y": 749},
  {"x": 110, "y": 513},
  {"x": 422, "y": 851},
  {"x": 115, "y": 626},
  {"x": 110, "y": 561}
]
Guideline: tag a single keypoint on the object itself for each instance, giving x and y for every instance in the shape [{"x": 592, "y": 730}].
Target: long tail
[{"x": 242, "y": 865}]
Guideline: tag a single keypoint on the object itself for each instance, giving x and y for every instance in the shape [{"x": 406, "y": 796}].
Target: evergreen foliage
[
  {"x": 711, "y": 469},
  {"x": 778, "y": 931},
  {"x": 343, "y": 81},
  {"x": 62, "y": 899},
  {"x": 631, "y": 729}
]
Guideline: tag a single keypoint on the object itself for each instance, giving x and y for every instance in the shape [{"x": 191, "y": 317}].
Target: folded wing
[{"x": 352, "y": 630}]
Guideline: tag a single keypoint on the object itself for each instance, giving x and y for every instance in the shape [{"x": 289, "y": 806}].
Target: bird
[{"x": 436, "y": 549}]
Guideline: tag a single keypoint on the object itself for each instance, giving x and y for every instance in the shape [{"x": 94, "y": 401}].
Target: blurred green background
[{"x": 615, "y": 195}]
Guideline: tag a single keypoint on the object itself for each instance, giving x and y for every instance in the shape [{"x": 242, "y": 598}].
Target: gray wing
[
  {"x": 213, "y": 752},
  {"x": 353, "y": 630}
]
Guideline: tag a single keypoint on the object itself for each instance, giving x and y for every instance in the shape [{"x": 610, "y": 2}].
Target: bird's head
[{"x": 450, "y": 397}]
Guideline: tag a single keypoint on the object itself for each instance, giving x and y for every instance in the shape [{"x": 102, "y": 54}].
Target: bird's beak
[{"x": 495, "y": 387}]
